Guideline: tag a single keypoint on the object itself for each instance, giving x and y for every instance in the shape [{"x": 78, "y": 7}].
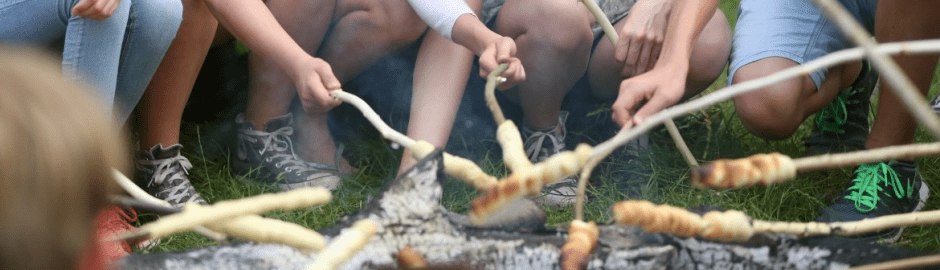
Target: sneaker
[
  {"x": 879, "y": 189},
  {"x": 935, "y": 104},
  {"x": 164, "y": 173},
  {"x": 842, "y": 126},
  {"x": 542, "y": 144},
  {"x": 268, "y": 157},
  {"x": 110, "y": 222}
]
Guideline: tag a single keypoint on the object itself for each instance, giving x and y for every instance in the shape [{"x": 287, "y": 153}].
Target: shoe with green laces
[
  {"x": 842, "y": 126},
  {"x": 876, "y": 190}
]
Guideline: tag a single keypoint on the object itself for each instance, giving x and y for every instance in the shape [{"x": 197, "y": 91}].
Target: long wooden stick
[
  {"x": 345, "y": 245},
  {"x": 890, "y": 71},
  {"x": 131, "y": 188},
  {"x": 735, "y": 226},
  {"x": 777, "y": 168},
  {"x": 457, "y": 167},
  {"x": 923, "y": 262}
]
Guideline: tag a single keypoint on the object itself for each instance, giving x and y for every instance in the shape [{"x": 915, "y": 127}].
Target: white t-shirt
[{"x": 441, "y": 15}]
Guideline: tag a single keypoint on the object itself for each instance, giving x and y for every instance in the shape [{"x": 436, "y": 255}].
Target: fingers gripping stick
[
  {"x": 489, "y": 92},
  {"x": 765, "y": 169}
]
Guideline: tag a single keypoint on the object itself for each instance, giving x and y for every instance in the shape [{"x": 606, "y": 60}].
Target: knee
[
  {"x": 768, "y": 117},
  {"x": 391, "y": 23},
  {"x": 556, "y": 26},
  {"x": 157, "y": 21}
]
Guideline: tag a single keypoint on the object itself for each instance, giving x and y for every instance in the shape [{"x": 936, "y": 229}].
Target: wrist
[{"x": 471, "y": 33}]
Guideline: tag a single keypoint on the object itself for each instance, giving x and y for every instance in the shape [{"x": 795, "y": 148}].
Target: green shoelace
[
  {"x": 833, "y": 117},
  {"x": 865, "y": 187}
]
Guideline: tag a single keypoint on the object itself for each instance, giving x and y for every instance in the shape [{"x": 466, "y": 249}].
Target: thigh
[
  {"x": 794, "y": 30},
  {"x": 34, "y": 21},
  {"x": 306, "y": 21}
]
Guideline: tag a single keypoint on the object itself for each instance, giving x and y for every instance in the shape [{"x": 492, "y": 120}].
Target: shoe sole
[{"x": 923, "y": 195}]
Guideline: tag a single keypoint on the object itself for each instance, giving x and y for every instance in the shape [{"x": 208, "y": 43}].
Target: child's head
[{"x": 57, "y": 150}]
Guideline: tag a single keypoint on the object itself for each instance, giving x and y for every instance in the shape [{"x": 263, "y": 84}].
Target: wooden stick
[
  {"x": 189, "y": 218},
  {"x": 266, "y": 230},
  {"x": 528, "y": 182},
  {"x": 777, "y": 168},
  {"x": 345, "y": 245},
  {"x": 923, "y": 262},
  {"x": 454, "y": 166},
  {"x": 144, "y": 198},
  {"x": 735, "y": 226},
  {"x": 625, "y": 135},
  {"x": 680, "y": 143},
  {"x": 890, "y": 71},
  {"x": 489, "y": 92}
]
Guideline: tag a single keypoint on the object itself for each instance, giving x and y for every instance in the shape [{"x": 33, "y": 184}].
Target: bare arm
[
  {"x": 492, "y": 48},
  {"x": 252, "y": 23},
  {"x": 664, "y": 85}
]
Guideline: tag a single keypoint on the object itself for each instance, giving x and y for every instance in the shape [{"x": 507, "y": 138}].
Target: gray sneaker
[
  {"x": 163, "y": 172},
  {"x": 542, "y": 144},
  {"x": 268, "y": 157}
]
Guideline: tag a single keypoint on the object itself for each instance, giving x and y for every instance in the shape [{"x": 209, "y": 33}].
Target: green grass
[{"x": 712, "y": 133}]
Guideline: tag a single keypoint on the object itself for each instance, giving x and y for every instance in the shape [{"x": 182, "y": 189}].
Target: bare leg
[
  {"x": 554, "y": 40},
  {"x": 708, "y": 60},
  {"x": 776, "y": 111},
  {"x": 271, "y": 91},
  {"x": 161, "y": 107},
  {"x": 441, "y": 73},
  {"x": 365, "y": 32},
  {"x": 896, "y": 22}
]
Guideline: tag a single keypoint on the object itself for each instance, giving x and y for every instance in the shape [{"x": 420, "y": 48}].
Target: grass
[{"x": 660, "y": 174}]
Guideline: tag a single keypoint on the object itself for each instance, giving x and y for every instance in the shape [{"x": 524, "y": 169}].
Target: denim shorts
[{"x": 791, "y": 29}]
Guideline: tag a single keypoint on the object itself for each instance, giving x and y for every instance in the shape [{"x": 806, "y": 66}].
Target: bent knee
[
  {"x": 711, "y": 51},
  {"x": 393, "y": 23},
  {"x": 767, "y": 117},
  {"x": 561, "y": 26}
]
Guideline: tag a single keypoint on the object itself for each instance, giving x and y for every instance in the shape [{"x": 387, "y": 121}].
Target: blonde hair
[{"x": 57, "y": 150}]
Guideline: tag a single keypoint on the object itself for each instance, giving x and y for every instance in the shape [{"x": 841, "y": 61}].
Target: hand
[
  {"x": 315, "y": 80},
  {"x": 499, "y": 51},
  {"x": 659, "y": 88},
  {"x": 641, "y": 38},
  {"x": 95, "y": 9}
]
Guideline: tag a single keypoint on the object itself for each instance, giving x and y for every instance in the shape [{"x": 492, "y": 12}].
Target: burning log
[{"x": 409, "y": 213}]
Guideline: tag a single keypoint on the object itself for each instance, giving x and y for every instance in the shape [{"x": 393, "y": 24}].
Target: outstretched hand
[
  {"x": 315, "y": 80},
  {"x": 659, "y": 89},
  {"x": 95, "y": 9},
  {"x": 498, "y": 51},
  {"x": 641, "y": 38}
]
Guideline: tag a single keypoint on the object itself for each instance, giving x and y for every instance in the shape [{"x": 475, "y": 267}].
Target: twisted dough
[
  {"x": 728, "y": 226},
  {"x": 345, "y": 245},
  {"x": 529, "y": 182},
  {"x": 763, "y": 169},
  {"x": 582, "y": 239},
  {"x": 456, "y": 167}
]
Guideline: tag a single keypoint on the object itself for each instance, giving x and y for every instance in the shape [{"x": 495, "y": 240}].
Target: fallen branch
[
  {"x": 913, "y": 100},
  {"x": 777, "y": 168},
  {"x": 735, "y": 226},
  {"x": 345, "y": 245}
]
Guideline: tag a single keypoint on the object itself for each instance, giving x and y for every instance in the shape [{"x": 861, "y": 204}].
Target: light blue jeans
[{"x": 116, "y": 56}]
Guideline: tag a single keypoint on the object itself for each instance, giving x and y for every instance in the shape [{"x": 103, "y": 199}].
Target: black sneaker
[
  {"x": 268, "y": 156},
  {"x": 879, "y": 189},
  {"x": 842, "y": 126},
  {"x": 935, "y": 104},
  {"x": 542, "y": 144},
  {"x": 163, "y": 173}
]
